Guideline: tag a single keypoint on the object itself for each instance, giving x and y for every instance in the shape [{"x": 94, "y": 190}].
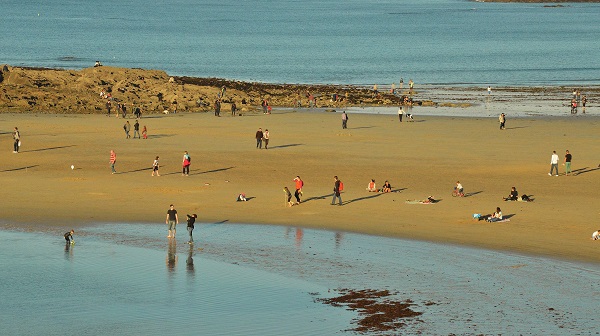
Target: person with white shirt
[{"x": 553, "y": 164}]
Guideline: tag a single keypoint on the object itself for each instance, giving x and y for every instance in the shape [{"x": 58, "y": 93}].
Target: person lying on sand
[{"x": 429, "y": 200}]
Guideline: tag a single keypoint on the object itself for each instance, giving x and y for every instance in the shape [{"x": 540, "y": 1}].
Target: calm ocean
[{"x": 453, "y": 42}]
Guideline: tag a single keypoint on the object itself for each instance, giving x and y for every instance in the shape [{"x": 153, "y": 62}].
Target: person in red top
[
  {"x": 113, "y": 160},
  {"x": 299, "y": 185}
]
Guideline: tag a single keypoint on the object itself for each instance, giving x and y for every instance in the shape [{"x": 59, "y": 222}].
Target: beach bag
[{"x": 341, "y": 186}]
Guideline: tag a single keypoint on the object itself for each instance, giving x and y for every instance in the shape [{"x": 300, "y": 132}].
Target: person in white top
[
  {"x": 400, "y": 113},
  {"x": 596, "y": 235},
  {"x": 266, "y": 138},
  {"x": 554, "y": 164}
]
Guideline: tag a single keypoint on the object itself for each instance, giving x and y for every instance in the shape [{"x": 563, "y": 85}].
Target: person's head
[
  {"x": 195, "y": 216},
  {"x": 553, "y": 152},
  {"x": 266, "y": 130},
  {"x": 498, "y": 209},
  {"x": 260, "y": 129},
  {"x": 16, "y": 128},
  {"x": 513, "y": 188},
  {"x": 567, "y": 151},
  {"x": 373, "y": 180},
  {"x": 185, "y": 152},
  {"x": 171, "y": 206},
  {"x": 457, "y": 182},
  {"x": 335, "y": 178},
  {"x": 72, "y": 231},
  {"x": 157, "y": 157}
]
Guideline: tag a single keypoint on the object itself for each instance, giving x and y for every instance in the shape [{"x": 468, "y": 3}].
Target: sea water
[
  {"x": 449, "y": 42},
  {"x": 129, "y": 279}
]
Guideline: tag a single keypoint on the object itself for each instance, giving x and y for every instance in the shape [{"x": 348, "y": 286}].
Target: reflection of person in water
[
  {"x": 189, "y": 262},
  {"x": 172, "y": 255}
]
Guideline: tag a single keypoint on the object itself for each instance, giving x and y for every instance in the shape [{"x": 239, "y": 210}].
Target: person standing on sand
[
  {"x": 489, "y": 90},
  {"x": 299, "y": 185},
  {"x": 108, "y": 108},
  {"x": 401, "y": 84},
  {"x": 172, "y": 221},
  {"x": 400, "y": 113},
  {"x": 567, "y": 163},
  {"x": 502, "y": 119},
  {"x": 336, "y": 191},
  {"x": 145, "y": 132},
  {"x": 113, "y": 160},
  {"x": 136, "y": 129},
  {"x": 187, "y": 161},
  {"x": 266, "y": 136},
  {"x": 259, "y": 137},
  {"x": 127, "y": 128},
  {"x": 155, "y": 166},
  {"x": 17, "y": 140},
  {"x": 344, "y": 120},
  {"x": 233, "y": 109},
  {"x": 124, "y": 110},
  {"x": 190, "y": 226},
  {"x": 553, "y": 163}
]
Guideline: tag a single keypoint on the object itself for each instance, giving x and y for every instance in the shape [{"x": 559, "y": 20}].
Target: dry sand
[{"x": 422, "y": 158}]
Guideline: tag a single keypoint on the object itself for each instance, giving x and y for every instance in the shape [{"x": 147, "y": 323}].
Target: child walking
[
  {"x": 288, "y": 196},
  {"x": 155, "y": 166}
]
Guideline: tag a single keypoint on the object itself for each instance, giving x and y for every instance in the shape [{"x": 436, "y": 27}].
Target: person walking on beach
[
  {"x": 124, "y": 110},
  {"x": 145, "y": 132},
  {"x": 411, "y": 85},
  {"x": 288, "y": 196},
  {"x": 568, "y": 158},
  {"x": 299, "y": 185},
  {"x": 17, "y": 140},
  {"x": 190, "y": 226},
  {"x": 401, "y": 84},
  {"x": 108, "y": 108},
  {"x": 553, "y": 164},
  {"x": 127, "y": 128},
  {"x": 583, "y": 102},
  {"x": 344, "y": 120},
  {"x": 217, "y": 108},
  {"x": 266, "y": 136},
  {"x": 489, "y": 90},
  {"x": 502, "y": 119},
  {"x": 233, "y": 109},
  {"x": 337, "y": 188},
  {"x": 187, "y": 160},
  {"x": 172, "y": 221},
  {"x": 113, "y": 160},
  {"x": 69, "y": 237},
  {"x": 155, "y": 166},
  {"x": 136, "y": 129},
  {"x": 259, "y": 137},
  {"x": 400, "y": 113}
]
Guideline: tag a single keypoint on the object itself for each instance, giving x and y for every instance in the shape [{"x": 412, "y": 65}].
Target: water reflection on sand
[{"x": 263, "y": 280}]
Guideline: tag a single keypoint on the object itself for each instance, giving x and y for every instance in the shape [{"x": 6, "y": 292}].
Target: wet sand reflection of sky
[{"x": 264, "y": 280}]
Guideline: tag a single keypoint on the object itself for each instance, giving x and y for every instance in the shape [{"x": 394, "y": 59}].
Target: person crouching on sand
[{"x": 69, "y": 237}]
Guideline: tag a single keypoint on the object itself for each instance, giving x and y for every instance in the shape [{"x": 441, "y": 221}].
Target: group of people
[
  {"x": 576, "y": 100},
  {"x": 372, "y": 187},
  {"x": 186, "y": 162},
  {"x": 262, "y": 137},
  {"x": 136, "y": 130},
  {"x": 554, "y": 163},
  {"x": 288, "y": 195},
  {"x": 173, "y": 219}
]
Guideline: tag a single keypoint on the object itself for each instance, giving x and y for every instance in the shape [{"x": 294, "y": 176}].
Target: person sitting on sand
[
  {"x": 525, "y": 198},
  {"x": 514, "y": 195},
  {"x": 596, "y": 235},
  {"x": 371, "y": 187},
  {"x": 386, "y": 187},
  {"x": 497, "y": 216}
]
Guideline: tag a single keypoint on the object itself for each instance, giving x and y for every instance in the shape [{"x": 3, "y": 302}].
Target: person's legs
[
  {"x": 16, "y": 146},
  {"x": 172, "y": 227},
  {"x": 297, "y": 195},
  {"x": 266, "y": 143},
  {"x": 340, "y": 199},
  {"x": 112, "y": 167},
  {"x": 333, "y": 199},
  {"x": 567, "y": 168},
  {"x": 190, "y": 229}
]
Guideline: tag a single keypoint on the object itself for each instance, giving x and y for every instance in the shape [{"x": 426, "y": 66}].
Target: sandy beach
[{"x": 422, "y": 158}]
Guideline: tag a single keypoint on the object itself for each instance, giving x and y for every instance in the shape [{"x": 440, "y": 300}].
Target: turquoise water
[
  {"x": 127, "y": 279},
  {"x": 350, "y": 41}
]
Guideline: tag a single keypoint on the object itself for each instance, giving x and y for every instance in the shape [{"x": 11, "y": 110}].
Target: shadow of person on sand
[
  {"x": 284, "y": 146},
  {"x": 473, "y": 193},
  {"x": 134, "y": 171},
  {"x": 584, "y": 170},
  {"x": 212, "y": 171},
  {"x": 372, "y": 196},
  {"x": 16, "y": 169},
  {"x": 45, "y": 149}
]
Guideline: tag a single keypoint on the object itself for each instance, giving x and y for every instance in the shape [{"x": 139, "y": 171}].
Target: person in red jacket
[{"x": 298, "y": 192}]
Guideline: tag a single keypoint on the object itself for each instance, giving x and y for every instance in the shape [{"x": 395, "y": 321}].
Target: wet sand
[{"x": 422, "y": 158}]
